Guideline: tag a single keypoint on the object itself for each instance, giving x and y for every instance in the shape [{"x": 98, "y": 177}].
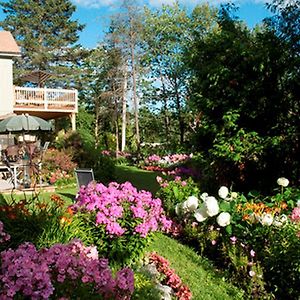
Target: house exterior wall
[{"x": 6, "y": 85}]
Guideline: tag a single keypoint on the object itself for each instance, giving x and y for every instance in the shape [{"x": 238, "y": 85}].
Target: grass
[
  {"x": 195, "y": 271},
  {"x": 141, "y": 179}
]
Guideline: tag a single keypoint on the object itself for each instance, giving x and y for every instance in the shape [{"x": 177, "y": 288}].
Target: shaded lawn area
[{"x": 141, "y": 179}]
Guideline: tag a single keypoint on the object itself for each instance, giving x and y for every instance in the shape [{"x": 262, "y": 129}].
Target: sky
[{"x": 95, "y": 14}]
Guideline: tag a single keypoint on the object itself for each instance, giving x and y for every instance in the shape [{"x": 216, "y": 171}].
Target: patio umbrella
[{"x": 24, "y": 123}]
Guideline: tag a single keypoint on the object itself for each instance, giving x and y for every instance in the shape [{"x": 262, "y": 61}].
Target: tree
[
  {"x": 167, "y": 32},
  {"x": 244, "y": 93},
  {"x": 46, "y": 34},
  {"x": 125, "y": 35}
]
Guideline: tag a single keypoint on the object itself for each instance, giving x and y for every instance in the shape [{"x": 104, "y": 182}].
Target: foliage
[
  {"x": 252, "y": 236},
  {"x": 144, "y": 288},
  {"x": 118, "y": 219},
  {"x": 58, "y": 167},
  {"x": 85, "y": 155},
  {"x": 244, "y": 100},
  {"x": 176, "y": 191},
  {"x": 34, "y": 220},
  {"x": 70, "y": 270},
  {"x": 50, "y": 44}
]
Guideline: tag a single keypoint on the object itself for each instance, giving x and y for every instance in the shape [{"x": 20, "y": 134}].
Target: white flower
[
  {"x": 211, "y": 206},
  {"x": 266, "y": 220},
  {"x": 192, "y": 203},
  {"x": 223, "y": 192},
  {"x": 280, "y": 220},
  {"x": 234, "y": 195},
  {"x": 282, "y": 181},
  {"x": 223, "y": 219},
  {"x": 252, "y": 273},
  {"x": 201, "y": 214},
  {"x": 203, "y": 196},
  {"x": 298, "y": 203}
]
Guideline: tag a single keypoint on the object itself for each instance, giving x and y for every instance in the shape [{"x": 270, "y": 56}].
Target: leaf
[
  {"x": 229, "y": 229},
  {"x": 176, "y": 192},
  {"x": 225, "y": 206}
]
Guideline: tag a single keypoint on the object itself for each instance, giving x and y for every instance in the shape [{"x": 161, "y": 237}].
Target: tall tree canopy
[
  {"x": 244, "y": 92},
  {"x": 46, "y": 33}
]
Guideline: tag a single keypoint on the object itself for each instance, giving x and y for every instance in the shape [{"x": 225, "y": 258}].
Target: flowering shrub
[
  {"x": 181, "y": 291},
  {"x": 58, "y": 166},
  {"x": 175, "y": 191},
  {"x": 124, "y": 217},
  {"x": 166, "y": 161},
  {"x": 230, "y": 226},
  {"x": 61, "y": 271}
]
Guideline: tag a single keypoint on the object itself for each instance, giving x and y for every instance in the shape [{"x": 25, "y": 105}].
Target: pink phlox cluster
[
  {"x": 22, "y": 271},
  {"x": 117, "y": 202},
  {"x": 295, "y": 215},
  {"x": 32, "y": 273},
  {"x": 4, "y": 237}
]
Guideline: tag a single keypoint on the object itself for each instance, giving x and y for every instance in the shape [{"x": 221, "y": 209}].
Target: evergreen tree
[{"x": 46, "y": 34}]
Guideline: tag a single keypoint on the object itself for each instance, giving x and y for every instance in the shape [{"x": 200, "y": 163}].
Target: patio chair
[
  {"x": 11, "y": 175},
  {"x": 84, "y": 176}
]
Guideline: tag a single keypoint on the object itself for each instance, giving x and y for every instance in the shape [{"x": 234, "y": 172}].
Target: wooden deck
[{"x": 44, "y": 101}]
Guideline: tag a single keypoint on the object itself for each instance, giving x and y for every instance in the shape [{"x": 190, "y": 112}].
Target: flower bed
[
  {"x": 61, "y": 271},
  {"x": 254, "y": 236}
]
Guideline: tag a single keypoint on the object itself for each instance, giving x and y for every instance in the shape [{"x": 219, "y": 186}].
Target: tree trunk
[
  {"x": 124, "y": 111},
  {"x": 179, "y": 113},
  {"x": 135, "y": 97},
  {"x": 165, "y": 107}
]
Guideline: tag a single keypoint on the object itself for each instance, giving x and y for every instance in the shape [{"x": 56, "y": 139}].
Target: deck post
[{"x": 73, "y": 121}]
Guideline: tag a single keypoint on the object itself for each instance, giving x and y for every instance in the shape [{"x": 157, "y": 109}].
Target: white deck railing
[{"x": 45, "y": 99}]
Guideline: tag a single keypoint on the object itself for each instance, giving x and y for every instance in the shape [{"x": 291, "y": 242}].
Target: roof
[{"x": 8, "y": 45}]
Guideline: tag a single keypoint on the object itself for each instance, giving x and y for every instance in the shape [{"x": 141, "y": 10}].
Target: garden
[{"x": 196, "y": 192}]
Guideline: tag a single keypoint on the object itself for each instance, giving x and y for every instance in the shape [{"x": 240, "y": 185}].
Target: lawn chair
[
  {"x": 84, "y": 177},
  {"x": 11, "y": 175}
]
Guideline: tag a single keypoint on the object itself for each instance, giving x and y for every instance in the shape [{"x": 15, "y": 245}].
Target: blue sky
[{"x": 96, "y": 13}]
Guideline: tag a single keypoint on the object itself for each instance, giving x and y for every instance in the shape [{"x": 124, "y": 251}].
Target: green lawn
[
  {"x": 141, "y": 179},
  {"x": 195, "y": 271}
]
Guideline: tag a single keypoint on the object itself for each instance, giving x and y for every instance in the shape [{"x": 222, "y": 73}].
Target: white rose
[
  {"x": 223, "y": 192},
  {"x": 201, "y": 214},
  {"x": 203, "y": 196},
  {"x": 223, "y": 219},
  {"x": 266, "y": 220},
  {"x": 211, "y": 205},
  {"x": 192, "y": 203},
  {"x": 282, "y": 181}
]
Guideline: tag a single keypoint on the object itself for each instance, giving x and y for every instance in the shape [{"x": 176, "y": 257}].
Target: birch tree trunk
[{"x": 124, "y": 111}]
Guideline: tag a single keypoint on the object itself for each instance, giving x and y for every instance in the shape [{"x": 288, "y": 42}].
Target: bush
[
  {"x": 118, "y": 219},
  {"x": 58, "y": 167},
  {"x": 68, "y": 271},
  {"x": 254, "y": 237}
]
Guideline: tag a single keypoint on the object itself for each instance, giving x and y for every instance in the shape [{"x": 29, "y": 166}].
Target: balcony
[{"x": 44, "y": 102}]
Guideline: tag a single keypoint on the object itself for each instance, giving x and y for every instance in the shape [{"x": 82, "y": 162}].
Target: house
[{"x": 41, "y": 101}]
